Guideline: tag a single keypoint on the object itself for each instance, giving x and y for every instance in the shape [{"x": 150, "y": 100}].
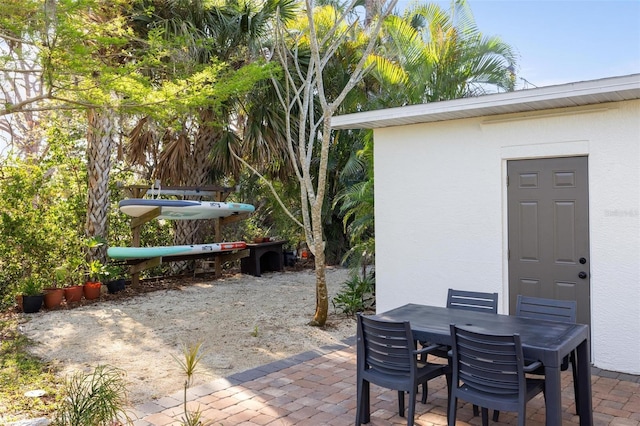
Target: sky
[{"x": 563, "y": 41}]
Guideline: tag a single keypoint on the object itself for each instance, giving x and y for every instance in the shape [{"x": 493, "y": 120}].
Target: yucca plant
[{"x": 94, "y": 399}]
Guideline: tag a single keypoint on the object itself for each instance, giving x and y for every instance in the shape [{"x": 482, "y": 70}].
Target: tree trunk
[
  {"x": 99, "y": 142},
  {"x": 190, "y": 231},
  {"x": 322, "y": 294}
]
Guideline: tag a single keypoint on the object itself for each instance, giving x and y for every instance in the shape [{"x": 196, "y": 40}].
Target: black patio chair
[
  {"x": 387, "y": 357},
  {"x": 470, "y": 301},
  {"x": 553, "y": 310},
  {"x": 489, "y": 371},
  {"x": 473, "y": 301}
]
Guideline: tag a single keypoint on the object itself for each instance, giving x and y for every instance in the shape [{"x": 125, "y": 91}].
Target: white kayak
[
  {"x": 182, "y": 209},
  {"x": 186, "y": 250}
]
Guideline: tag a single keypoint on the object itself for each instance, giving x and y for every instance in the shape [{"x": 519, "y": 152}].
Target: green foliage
[
  {"x": 268, "y": 219},
  {"x": 41, "y": 220},
  {"x": 20, "y": 371},
  {"x": 191, "y": 357},
  {"x": 93, "y": 399},
  {"x": 357, "y": 294},
  {"x": 31, "y": 286},
  {"x": 96, "y": 271},
  {"x": 356, "y": 199}
]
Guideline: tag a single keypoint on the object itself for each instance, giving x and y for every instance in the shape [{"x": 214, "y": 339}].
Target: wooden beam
[
  {"x": 147, "y": 217},
  {"x": 233, "y": 218},
  {"x": 136, "y": 268},
  {"x": 183, "y": 192},
  {"x": 212, "y": 188},
  {"x": 146, "y": 264},
  {"x": 234, "y": 256},
  {"x": 138, "y": 265}
]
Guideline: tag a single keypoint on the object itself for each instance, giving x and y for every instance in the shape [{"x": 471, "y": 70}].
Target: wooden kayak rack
[{"x": 208, "y": 192}]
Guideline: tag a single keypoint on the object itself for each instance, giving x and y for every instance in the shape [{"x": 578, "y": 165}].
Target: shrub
[
  {"x": 40, "y": 223},
  {"x": 357, "y": 294},
  {"x": 93, "y": 399}
]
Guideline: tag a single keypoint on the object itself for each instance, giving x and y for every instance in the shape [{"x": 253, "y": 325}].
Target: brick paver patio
[{"x": 318, "y": 388}]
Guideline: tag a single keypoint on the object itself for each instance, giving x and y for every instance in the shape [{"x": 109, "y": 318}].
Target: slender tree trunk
[
  {"x": 303, "y": 95},
  {"x": 322, "y": 294},
  {"x": 99, "y": 142}
]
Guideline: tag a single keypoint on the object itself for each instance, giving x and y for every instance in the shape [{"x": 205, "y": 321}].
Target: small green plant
[
  {"x": 71, "y": 272},
  {"x": 357, "y": 294},
  {"x": 96, "y": 271},
  {"x": 61, "y": 276},
  {"x": 31, "y": 286},
  {"x": 113, "y": 272},
  {"x": 254, "y": 333},
  {"x": 94, "y": 399},
  {"x": 191, "y": 357}
]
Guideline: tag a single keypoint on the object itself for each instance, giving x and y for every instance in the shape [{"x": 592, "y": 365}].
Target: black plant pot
[
  {"x": 289, "y": 258},
  {"x": 32, "y": 304},
  {"x": 115, "y": 286}
]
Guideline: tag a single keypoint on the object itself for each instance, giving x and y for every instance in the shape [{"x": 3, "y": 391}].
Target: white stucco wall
[{"x": 441, "y": 211}]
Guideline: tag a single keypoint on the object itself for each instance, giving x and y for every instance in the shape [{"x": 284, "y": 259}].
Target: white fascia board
[{"x": 560, "y": 96}]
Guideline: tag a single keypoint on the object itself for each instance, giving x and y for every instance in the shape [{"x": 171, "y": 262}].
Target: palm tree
[
  {"x": 428, "y": 55},
  {"x": 101, "y": 116},
  {"x": 444, "y": 56},
  {"x": 227, "y": 35}
]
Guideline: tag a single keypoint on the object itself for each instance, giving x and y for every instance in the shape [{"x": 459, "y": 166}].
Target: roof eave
[{"x": 613, "y": 89}]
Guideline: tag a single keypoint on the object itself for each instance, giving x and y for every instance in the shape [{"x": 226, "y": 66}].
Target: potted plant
[
  {"x": 93, "y": 269},
  {"x": 73, "y": 293},
  {"x": 72, "y": 275},
  {"x": 32, "y": 296},
  {"x": 54, "y": 294},
  {"x": 96, "y": 272},
  {"x": 115, "y": 281}
]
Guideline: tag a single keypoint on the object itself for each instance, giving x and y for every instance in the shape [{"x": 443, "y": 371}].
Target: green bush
[
  {"x": 357, "y": 294},
  {"x": 41, "y": 222},
  {"x": 93, "y": 399}
]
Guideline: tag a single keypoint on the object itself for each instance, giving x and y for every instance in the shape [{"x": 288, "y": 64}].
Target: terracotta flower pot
[
  {"x": 92, "y": 290},
  {"x": 19, "y": 301},
  {"x": 53, "y": 297},
  {"x": 73, "y": 293}
]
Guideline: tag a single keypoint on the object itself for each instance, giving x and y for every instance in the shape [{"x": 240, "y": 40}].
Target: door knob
[
  {"x": 582, "y": 260},
  {"x": 582, "y": 275}
]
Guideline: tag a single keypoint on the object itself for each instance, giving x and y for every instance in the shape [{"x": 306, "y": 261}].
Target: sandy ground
[{"x": 243, "y": 322}]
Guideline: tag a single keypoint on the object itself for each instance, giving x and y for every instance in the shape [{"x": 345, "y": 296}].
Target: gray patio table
[{"x": 546, "y": 341}]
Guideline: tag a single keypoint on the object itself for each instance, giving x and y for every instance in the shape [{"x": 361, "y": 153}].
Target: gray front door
[{"x": 548, "y": 214}]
